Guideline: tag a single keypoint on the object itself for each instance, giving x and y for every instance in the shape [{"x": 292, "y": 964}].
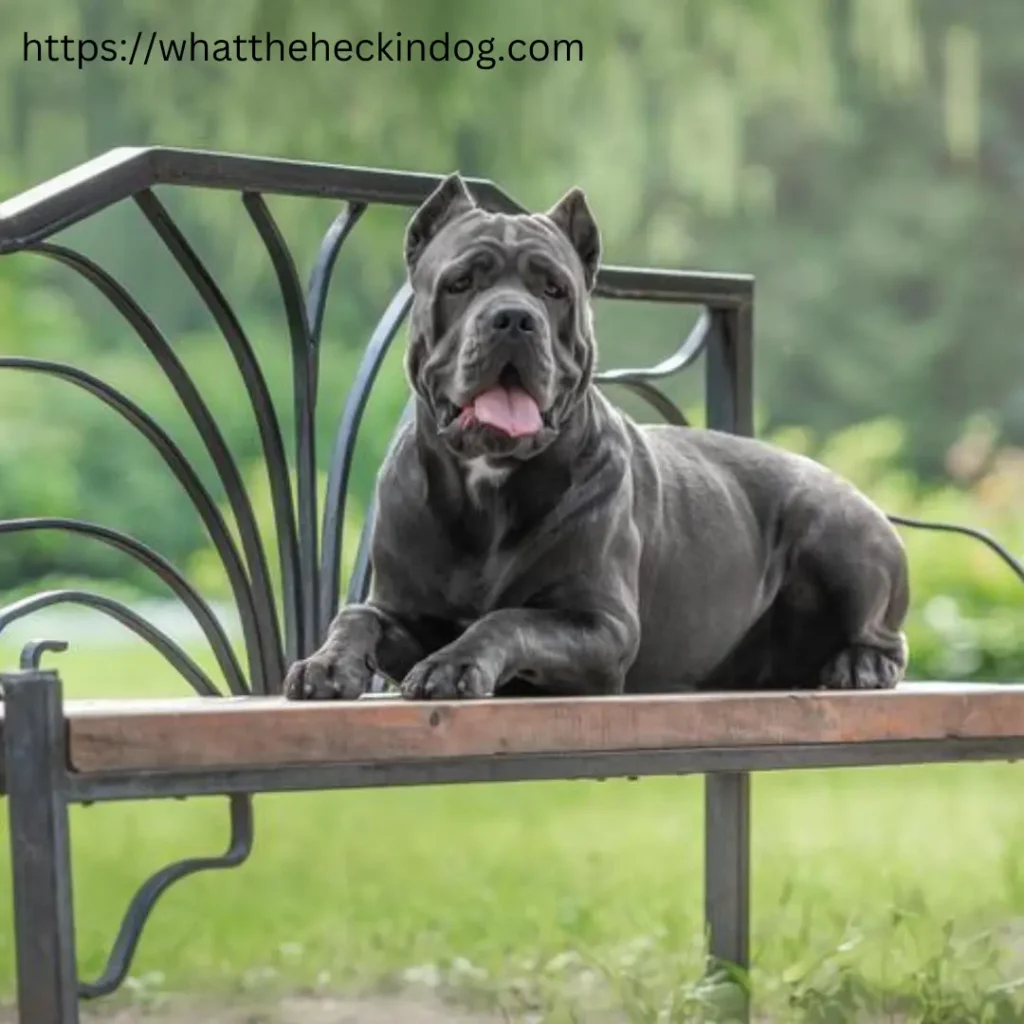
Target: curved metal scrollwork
[
  {"x": 639, "y": 381},
  {"x": 141, "y": 906},
  {"x": 300, "y": 641},
  {"x": 295, "y": 516},
  {"x": 323, "y": 269},
  {"x": 345, "y": 448},
  {"x": 191, "y": 400},
  {"x": 254, "y": 615},
  {"x": 177, "y": 658},
  {"x": 269, "y": 638},
  {"x": 967, "y": 531},
  {"x": 163, "y": 570}
]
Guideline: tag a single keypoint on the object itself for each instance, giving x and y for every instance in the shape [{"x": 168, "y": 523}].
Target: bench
[{"x": 56, "y": 752}]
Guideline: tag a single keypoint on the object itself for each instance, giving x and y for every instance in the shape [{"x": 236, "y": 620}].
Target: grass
[{"x": 900, "y": 891}]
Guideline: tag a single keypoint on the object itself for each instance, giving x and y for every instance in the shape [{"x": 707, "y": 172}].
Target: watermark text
[{"x": 145, "y": 48}]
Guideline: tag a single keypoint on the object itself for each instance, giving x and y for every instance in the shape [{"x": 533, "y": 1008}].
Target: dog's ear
[
  {"x": 572, "y": 216},
  {"x": 449, "y": 200}
]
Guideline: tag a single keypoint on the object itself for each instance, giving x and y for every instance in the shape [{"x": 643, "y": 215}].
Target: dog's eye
[
  {"x": 553, "y": 290},
  {"x": 459, "y": 284}
]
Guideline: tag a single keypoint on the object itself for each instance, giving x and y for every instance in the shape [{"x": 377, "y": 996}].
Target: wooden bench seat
[{"x": 225, "y": 733}]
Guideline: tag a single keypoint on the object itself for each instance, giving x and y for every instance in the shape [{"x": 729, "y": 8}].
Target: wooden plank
[{"x": 238, "y": 732}]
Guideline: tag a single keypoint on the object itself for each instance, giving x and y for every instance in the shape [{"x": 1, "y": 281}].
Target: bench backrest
[{"x": 308, "y": 538}]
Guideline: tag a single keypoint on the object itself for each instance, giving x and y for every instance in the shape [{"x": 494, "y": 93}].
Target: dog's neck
[{"x": 486, "y": 495}]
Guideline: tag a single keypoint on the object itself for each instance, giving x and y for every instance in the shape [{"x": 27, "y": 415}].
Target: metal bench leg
[
  {"x": 40, "y": 850},
  {"x": 729, "y": 374},
  {"x": 727, "y": 871}
]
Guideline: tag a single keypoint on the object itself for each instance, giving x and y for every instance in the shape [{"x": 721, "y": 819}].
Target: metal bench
[{"x": 54, "y": 753}]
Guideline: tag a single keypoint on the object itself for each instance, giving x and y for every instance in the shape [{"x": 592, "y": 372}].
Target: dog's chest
[
  {"x": 478, "y": 547},
  {"x": 476, "y": 583},
  {"x": 480, "y": 474},
  {"x": 483, "y": 566}
]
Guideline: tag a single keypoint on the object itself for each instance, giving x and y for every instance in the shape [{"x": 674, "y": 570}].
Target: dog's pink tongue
[{"x": 510, "y": 410}]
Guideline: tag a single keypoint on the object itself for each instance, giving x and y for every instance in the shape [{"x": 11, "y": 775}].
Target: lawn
[{"x": 901, "y": 888}]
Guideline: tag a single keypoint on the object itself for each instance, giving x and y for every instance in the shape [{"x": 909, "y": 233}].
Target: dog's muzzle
[{"x": 504, "y": 393}]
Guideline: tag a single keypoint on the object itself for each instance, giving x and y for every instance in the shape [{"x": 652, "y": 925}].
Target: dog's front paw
[
  {"x": 443, "y": 678},
  {"x": 327, "y": 675}
]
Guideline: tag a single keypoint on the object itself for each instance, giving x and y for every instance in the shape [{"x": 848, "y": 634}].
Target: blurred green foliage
[{"x": 864, "y": 158}]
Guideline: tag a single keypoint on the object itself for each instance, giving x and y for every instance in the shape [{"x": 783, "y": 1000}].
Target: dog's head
[{"x": 501, "y": 346}]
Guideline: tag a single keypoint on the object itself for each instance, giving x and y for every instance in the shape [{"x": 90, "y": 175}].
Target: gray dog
[{"x": 532, "y": 539}]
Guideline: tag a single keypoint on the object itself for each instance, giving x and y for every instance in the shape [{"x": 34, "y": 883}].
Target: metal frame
[
  {"x": 36, "y": 780},
  {"x": 35, "y": 773}
]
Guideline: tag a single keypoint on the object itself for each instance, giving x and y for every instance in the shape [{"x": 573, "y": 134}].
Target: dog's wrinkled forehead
[
  {"x": 450, "y": 223},
  {"x": 507, "y": 236}
]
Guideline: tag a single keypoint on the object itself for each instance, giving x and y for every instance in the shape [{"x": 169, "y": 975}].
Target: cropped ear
[
  {"x": 449, "y": 200},
  {"x": 572, "y": 216}
]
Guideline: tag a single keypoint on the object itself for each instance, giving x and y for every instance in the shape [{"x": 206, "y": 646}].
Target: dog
[{"x": 533, "y": 540}]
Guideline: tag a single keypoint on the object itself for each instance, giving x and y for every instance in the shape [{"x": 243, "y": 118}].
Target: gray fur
[{"x": 595, "y": 556}]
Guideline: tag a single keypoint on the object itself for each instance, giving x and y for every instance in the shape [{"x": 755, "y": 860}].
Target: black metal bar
[
  {"x": 730, "y": 407},
  {"x": 253, "y": 615},
  {"x": 71, "y": 197},
  {"x": 44, "y": 934},
  {"x": 316, "y": 306},
  {"x": 323, "y": 269},
  {"x": 172, "y": 652},
  {"x": 654, "y": 397},
  {"x": 136, "y": 785},
  {"x": 269, "y": 639},
  {"x": 727, "y": 874},
  {"x": 638, "y": 380},
  {"x": 344, "y": 452},
  {"x": 157, "y": 564},
  {"x": 32, "y": 652},
  {"x": 990, "y": 542},
  {"x": 729, "y": 372},
  {"x": 686, "y": 355},
  {"x": 180, "y": 379},
  {"x": 684, "y": 287},
  {"x": 300, "y": 631},
  {"x": 142, "y": 904}
]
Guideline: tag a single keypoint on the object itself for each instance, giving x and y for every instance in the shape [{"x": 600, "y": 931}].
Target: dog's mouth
[{"x": 506, "y": 408}]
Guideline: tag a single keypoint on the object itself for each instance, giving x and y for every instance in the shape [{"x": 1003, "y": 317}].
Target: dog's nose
[{"x": 513, "y": 321}]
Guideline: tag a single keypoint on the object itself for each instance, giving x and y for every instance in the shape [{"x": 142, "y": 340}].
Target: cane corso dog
[{"x": 531, "y": 539}]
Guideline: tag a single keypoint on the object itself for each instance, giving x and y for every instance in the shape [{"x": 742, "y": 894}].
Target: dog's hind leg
[
  {"x": 866, "y": 594},
  {"x": 874, "y": 655},
  {"x": 838, "y": 619}
]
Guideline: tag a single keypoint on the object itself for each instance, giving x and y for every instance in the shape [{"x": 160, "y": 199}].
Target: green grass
[{"x": 903, "y": 888}]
